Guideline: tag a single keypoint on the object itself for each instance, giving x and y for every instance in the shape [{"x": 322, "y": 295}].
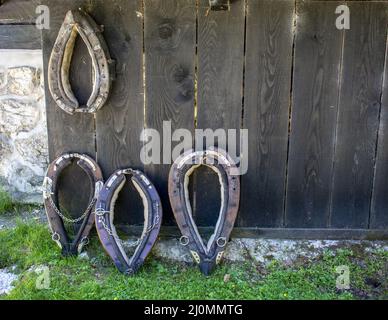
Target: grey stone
[
  {"x": 83, "y": 256},
  {"x": 265, "y": 251},
  {"x": 23, "y": 137},
  {"x": 33, "y": 149},
  {"x": 24, "y": 184},
  {"x": 5, "y": 146},
  {"x": 17, "y": 116},
  {"x": 3, "y": 82},
  {"x": 22, "y": 81}
]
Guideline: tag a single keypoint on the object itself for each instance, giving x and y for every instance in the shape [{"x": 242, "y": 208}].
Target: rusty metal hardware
[{"x": 218, "y": 5}]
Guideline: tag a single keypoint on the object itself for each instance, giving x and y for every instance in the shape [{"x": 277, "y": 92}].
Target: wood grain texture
[
  {"x": 316, "y": 84},
  {"x": 18, "y": 11},
  {"x": 266, "y": 110},
  {"x": 379, "y": 206},
  {"x": 120, "y": 122},
  {"x": 334, "y": 120},
  {"x": 220, "y": 83},
  {"x": 170, "y": 72},
  {"x": 69, "y": 133},
  {"x": 278, "y": 233},
  {"x": 19, "y": 37},
  {"x": 363, "y": 64}
]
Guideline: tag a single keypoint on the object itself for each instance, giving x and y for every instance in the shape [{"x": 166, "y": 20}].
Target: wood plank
[
  {"x": 20, "y": 37},
  {"x": 168, "y": 232},
  {"x": 170, "y": 28},
  {"x": 69, "y": 133},
  {"x": 266, "y": 110},
  {"x": 18, "y": 11},
  {"x": 316, "y": 84},
  {"x": 220, "y": 83},
  {"x": 379, "y": 206},
  {"x": 120, "y": 122},
  {"x": 363, "y": 62}
]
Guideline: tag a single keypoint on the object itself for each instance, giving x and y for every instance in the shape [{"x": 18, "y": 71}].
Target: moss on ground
[{"x": 29, "y": 244}]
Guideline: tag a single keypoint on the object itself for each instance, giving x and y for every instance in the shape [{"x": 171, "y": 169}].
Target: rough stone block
[{"x": 22, "y": 81}]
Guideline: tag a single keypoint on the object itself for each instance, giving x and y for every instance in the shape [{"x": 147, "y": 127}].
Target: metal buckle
[
  {"x": 184, "y": 240},
  {"x": 56, "y": 237},
  {"x": 221, "y": 242}
]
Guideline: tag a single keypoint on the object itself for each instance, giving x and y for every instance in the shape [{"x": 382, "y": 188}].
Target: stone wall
[{"x": 23, "y": 131}]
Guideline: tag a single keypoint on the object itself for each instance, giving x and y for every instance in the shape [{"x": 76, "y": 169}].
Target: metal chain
[
  {"x": 68, "y": 220},
  {"x": 101, "y": 219}
]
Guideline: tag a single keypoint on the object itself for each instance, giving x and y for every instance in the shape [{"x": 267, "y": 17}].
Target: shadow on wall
[{"x": 23, "y": 131}]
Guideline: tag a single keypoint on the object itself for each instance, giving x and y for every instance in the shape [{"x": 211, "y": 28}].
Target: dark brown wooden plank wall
[
  {"x": 70, "y": 133},
  {"x": 169, "y": 29},
  {"x": 268, "y": 66},
  {"x": 316, "y": 85},
  {"x": 312, "y": 97},
  {"x": 359, "y": 110}
]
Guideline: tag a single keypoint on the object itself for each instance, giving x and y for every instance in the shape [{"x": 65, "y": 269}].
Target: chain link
[
  {"x": 101, "y": 219},
  {"x": 68, "y": 220}
]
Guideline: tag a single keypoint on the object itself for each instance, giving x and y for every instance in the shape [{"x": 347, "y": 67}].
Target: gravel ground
[{"x": 6, "y": 279}]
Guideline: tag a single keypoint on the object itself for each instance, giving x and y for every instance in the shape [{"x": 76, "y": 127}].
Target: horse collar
[
  {"x": 56, "y": 218},
  {"x": 105, "y": 215},
  {"x": 210, "y": 254},
  {"x": 79, "y": 22}
]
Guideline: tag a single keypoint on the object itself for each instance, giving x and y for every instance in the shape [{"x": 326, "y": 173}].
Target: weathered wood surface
[
  {"x": 268, "y": 65},
  {"x": 220, "y": 82},
  {"x": 18, "y": 11},
  {"x": 19, "y": 37},
  {"x": 278, "y": 233},
  {"x": 169, "y": 29},
  {"x": 318, "y": 47},
  {"x": 70, "y": 133},
  {"x": 379, "y": 206},
  {"x": 312, "y": 97},
  {"x": 120, "y": 122},
  {"x": 358, "y": 119}
]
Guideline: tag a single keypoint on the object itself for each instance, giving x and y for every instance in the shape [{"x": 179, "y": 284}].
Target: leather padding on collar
[
  {"x": 50, "y": 195},
  {"x": 207, "y": 256},
  {"x": 79, "y": 22},
  {"x": 105, "y": 215}
]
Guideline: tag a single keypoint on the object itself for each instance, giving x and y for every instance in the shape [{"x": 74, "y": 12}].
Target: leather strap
[
  {"x": 79, "y": 22},
  {"x": 56, "y": 219},
  {"x": 105, "y": 216},
  {"x": 210, "y": 254}
]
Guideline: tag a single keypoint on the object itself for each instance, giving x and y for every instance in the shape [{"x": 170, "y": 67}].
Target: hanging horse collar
[
  {"x": 105, "y": 215},
  {"x": 207, "y": 256},
  {"x": 79, "y": 22},
  {"x": 55, "y": 217}
]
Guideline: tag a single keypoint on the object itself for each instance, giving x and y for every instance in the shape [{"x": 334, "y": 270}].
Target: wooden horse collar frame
[
  {"x": 104, "y": 216},
  {"x": 207, "y": 256},
  {"x": 79, "y": 22},
  {"x": 56, "y": 218}
]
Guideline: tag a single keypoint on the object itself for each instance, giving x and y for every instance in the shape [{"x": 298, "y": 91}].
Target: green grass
[
  {"x": 6, "y": 203},
  {"x": 72, "y": 278},
  {"x": 13, "y": 208}
]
